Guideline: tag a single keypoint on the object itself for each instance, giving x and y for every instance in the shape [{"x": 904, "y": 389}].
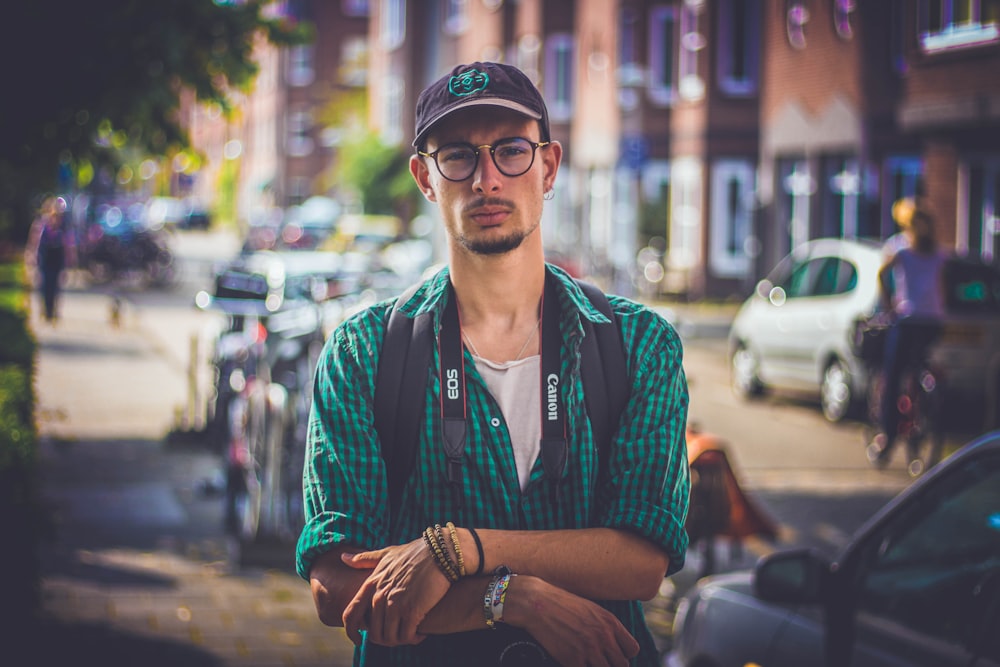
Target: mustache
[{"x": 488, "y": 201}]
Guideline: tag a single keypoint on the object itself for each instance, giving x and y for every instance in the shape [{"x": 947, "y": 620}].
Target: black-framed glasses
[{"x": 512, "y": 157}]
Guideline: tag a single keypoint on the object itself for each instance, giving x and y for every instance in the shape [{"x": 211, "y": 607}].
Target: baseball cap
[{"x": 476, "y": 84}]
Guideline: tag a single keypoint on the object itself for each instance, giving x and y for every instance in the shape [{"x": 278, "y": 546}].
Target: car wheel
[
  {"x": 836, "y": 391},
  {"x": 744, "y": 370}
]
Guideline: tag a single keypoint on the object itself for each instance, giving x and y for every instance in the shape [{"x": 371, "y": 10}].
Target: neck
[{"x": 499, "y": 301}]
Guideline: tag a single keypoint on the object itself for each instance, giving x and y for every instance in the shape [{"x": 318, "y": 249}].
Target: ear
[
  {"x": 551, "y": 159},
  {"x": 422, "y": 176}
]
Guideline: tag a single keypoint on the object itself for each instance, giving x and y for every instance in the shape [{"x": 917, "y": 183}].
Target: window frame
[
  {"x": 662, "y": 85},
  {"x": 560, "y": 72},
  {"x": 726, "y": 226},
  {"x": 731, "y": 85},
  {"x": 300, "y": 71}
]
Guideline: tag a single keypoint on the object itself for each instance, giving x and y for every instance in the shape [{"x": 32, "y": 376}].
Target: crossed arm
[{"x": 399, "y": 596}]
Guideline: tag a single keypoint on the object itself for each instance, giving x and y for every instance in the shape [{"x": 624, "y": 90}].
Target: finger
[
  {"x": 354, "y": 622},
  {"x": 357, "y": 613},
  {"x": 626, "y": 643}
]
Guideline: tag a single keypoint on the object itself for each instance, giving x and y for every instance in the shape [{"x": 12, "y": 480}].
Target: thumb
[{"x": 362, "y": 560}]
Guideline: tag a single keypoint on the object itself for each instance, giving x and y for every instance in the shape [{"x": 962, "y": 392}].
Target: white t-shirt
[
  {"x": 515, "y": 387},
  {"x": 917, "y": 278}
]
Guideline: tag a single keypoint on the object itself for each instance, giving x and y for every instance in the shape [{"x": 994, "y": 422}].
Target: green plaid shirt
[{"x": 645, "y": 488}]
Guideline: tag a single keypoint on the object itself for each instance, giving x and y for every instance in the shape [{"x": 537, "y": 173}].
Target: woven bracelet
[{"x": 479, "y": 549}]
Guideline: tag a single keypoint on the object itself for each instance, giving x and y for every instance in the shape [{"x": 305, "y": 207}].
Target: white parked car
[{"x": 795, "y": 331}]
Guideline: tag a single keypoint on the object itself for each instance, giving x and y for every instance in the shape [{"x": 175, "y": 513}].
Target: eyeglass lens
[{"x": 512, "y": 157}]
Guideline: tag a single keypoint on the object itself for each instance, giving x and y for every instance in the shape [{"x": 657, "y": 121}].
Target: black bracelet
[{"x": 479, "y": 549}]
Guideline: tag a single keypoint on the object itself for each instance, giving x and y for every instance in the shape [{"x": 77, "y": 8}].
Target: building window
[
  {"x": 354, "y": 7},
  {"x": 731, "y": 212},
  {"x": 841, "y": 197},
  {"x": 455, "y": 17},
  {"x": 739, "y": 47},
  {"x": 300, "y": 65},
  {"x": 558, "y": 80},
  {"x": 796, "y": 186},
  {"x": 983, "y": 204},
  {"x": 796, "y": 17},
  {"x": 629, "y": 75},
  {"x": 662, "y": 55},
  {"x": 843, "y": 13},
  {"x": 299, "y": 143},
  {"x": 654, "y": 199},
  {"x": 945, "y": 25},
  {"x": 392, "y": 23}
]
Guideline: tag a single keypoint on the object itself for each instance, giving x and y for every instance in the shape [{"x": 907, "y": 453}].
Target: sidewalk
[{"x": 136, "y": 572}]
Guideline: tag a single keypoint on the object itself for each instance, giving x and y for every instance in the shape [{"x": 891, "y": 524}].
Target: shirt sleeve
[
  {"x": 344, "y": 490},
  {"x": 649, "y": 479}
]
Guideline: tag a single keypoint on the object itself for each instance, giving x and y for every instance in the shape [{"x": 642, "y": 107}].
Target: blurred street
[{"x": 138, "y": 569}]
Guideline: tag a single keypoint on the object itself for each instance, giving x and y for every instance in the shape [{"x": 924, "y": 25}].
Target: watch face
[{"x": 796, "y": 17}]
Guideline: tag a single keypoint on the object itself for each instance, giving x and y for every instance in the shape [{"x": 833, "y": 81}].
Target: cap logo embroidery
[{"x": 468, "y": 83}]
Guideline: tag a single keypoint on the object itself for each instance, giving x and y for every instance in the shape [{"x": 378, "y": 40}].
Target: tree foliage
[
  {"x": 85, "y": 81},
  {"x": 380, "y": 174}
]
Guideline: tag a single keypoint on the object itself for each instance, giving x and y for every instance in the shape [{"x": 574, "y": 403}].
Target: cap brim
[{"x": 476, "y": 102}]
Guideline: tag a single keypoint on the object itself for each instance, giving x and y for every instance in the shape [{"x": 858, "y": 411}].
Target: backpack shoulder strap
[
  {"x": 604, "y": 370},
  {"x": 403, "y": 365},
  {"x": 404, "y": 362}
]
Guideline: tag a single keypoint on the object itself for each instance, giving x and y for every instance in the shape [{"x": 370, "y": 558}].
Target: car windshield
[
  {"x": 958, "y": 526},
  {"x": 930, "y": 568}
]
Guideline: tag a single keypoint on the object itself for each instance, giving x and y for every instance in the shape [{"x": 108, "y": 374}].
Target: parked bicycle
[{"x": 919, "y": 402}]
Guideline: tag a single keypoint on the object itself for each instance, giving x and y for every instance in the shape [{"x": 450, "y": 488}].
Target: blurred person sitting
[{"x": 911, "y": 282}]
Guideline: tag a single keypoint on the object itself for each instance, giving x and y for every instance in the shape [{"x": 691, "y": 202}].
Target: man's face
[{"x": 488, "y": 213}]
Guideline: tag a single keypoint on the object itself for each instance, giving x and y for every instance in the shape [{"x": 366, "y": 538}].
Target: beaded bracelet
[
  {"x": 432, "y": 538},
  {"x": 458, "y": 548}
]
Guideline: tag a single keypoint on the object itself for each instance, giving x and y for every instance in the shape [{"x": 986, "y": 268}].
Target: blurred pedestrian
[
  {"x": 912, "y": 292},
  {"x": 50, "y": 249},
  {"x": 553, "y": 549}
]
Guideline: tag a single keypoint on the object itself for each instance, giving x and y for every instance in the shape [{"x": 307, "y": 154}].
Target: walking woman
[{"x": 50, "y": 249}]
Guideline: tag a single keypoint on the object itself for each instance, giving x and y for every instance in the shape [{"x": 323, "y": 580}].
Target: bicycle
[{"x": 920, "y": 406}]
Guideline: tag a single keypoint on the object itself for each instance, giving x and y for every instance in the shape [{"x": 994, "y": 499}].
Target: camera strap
[{"x": 454, "y": 407}]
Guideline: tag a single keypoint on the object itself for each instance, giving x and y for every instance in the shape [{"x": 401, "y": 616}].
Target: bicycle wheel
[
  {"x": 932, "y": 392},
  {"x": 874, "y": 440}
]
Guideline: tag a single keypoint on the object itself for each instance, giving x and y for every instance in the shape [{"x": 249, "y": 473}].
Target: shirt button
[{"x": 495, "y": 422}]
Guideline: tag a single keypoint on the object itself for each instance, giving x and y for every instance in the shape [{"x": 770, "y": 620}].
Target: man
[{"x": 519, "y": 547}]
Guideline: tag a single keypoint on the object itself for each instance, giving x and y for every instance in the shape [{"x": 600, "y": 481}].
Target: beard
[{"x": 495, "y": 246}]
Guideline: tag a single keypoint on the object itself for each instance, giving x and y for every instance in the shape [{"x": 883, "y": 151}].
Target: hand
[
  {"x": 404, "y": 585},
  {"x": 574, "y": 630}
]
